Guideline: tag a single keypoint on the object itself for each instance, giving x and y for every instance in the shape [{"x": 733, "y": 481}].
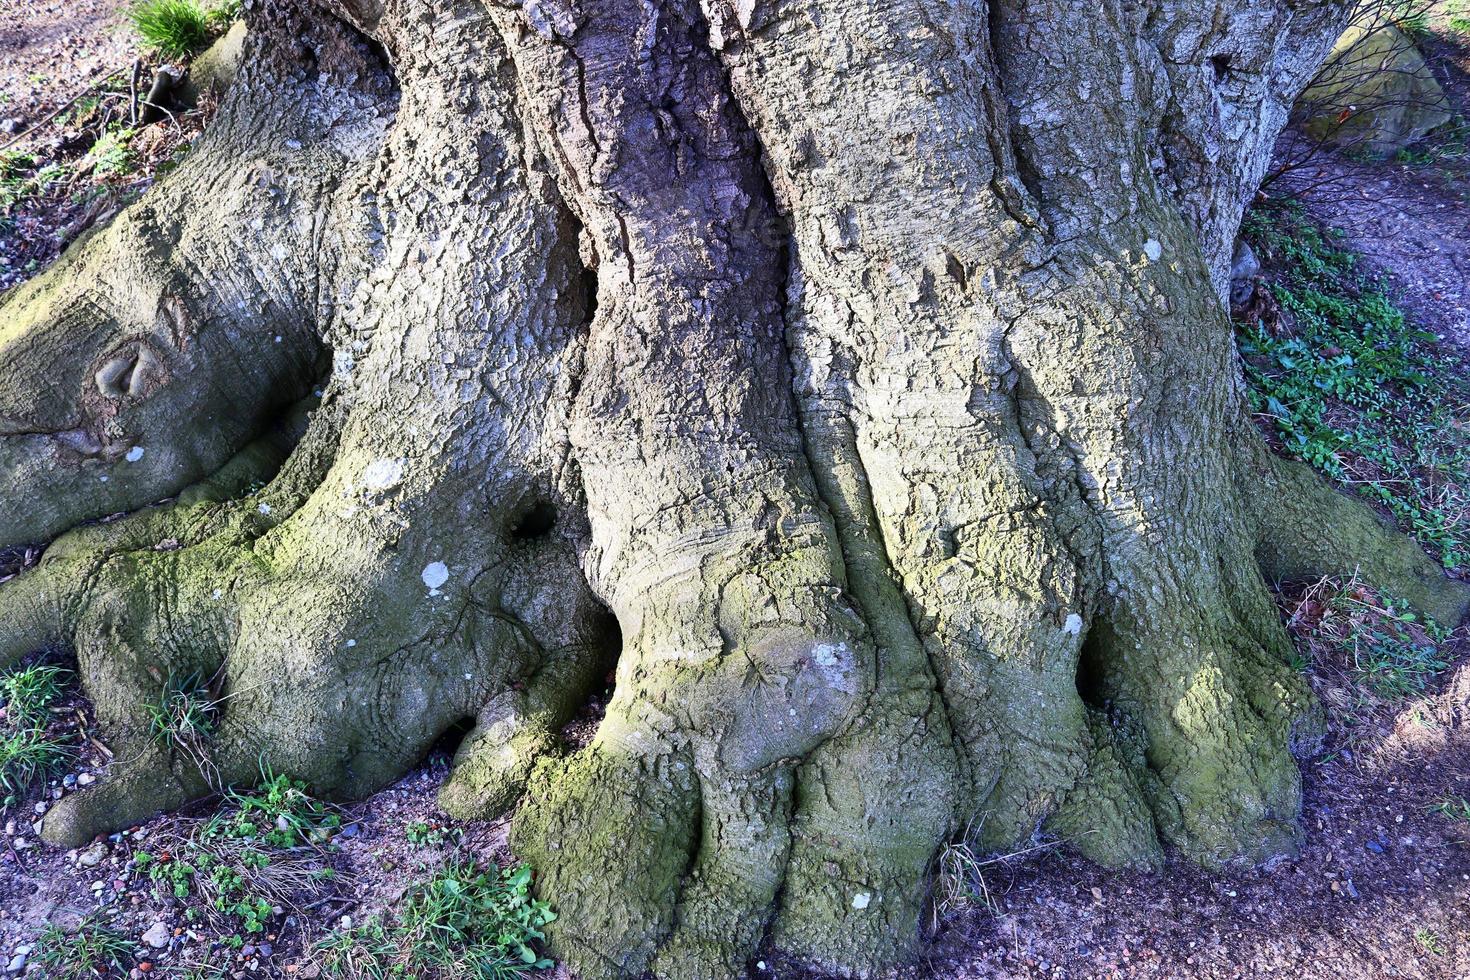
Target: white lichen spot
[
  {"x": 383, "y": 474},
  {"x": 216, "y": 594},
  {"x": 351, "y": 643},
  {"x": 469, "y": 677},
  {"x": 828, "y": 654},
  {"x": 861, "y": 900},
  {"x": 435, "y": 574},
  {"x": 1153, "y": 250},
  {"x": 1073, "y": 624},
  {"x": 134, "y": 454},
  {"x": 264, "y": 508},
  {"x": 278, "y": 338},
  {"x": 103, "y": 479}
]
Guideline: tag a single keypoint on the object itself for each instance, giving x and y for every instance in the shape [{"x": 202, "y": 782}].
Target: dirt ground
[
  {"x": 1410, "y": 220},
  {"x": 49, "y": 52},
  {"x": 1381, "y": 888}
]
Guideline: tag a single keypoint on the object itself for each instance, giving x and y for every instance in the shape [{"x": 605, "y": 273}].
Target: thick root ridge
[
  {"x": 159, "y": 318},
  {"x": 1308, "y": 530},
  {"x": 1203, "y": 721},
  {"x": 1106, "y": 815},
  {"x": 629, "y": 810},
  {"x": 872, "y": 809}
]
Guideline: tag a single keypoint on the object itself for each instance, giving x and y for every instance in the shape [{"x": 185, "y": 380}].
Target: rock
[
  {"x": 93, "y": 855},
  {"x": 1244, "y": 268},
  {"x": 1375, "y": 92},
  {"x": 69, "y": 781},
  {"x": 158, "y": 935},
  {"x": 17, "y": 963},
  {"x": 11, "y": 126},
  {"x": 86, "y": 779}
]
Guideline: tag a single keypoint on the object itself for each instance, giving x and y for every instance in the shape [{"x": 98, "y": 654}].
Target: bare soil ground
[
  {"x": 1409, "y": 217},
  {"x": 67, "y": 159},
  {"x": 51, "y": 51},
  {"x": 1381, "y": 888}
]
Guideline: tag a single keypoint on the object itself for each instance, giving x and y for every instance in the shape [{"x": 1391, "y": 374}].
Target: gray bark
[{"x": 866, "y": 366}]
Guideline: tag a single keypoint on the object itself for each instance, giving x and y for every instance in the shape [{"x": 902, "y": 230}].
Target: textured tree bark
[{"x": 853, "y": 376}]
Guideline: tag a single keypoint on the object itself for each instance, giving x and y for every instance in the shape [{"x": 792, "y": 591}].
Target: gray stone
[
  {"x": 1374, "y": 92},
  {"x": 158, "y": 935},
  {"x": 93, "y": 855},
  {"x": 1244, "y": 267}
]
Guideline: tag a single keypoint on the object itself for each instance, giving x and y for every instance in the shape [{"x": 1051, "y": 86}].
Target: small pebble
[{"x": 157, "y": 935}]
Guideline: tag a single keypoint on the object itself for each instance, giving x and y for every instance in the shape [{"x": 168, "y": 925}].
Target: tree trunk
[{"x": 865, "y": 364}]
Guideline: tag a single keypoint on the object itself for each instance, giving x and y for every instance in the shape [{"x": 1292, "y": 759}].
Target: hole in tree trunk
[
  {"x": 535, "y": 523},
  {"x": 1091, "y": 672},
  {"x": 579, "y": 731},
  {"x": 1221, "y": 64},
  {"x": 447, "y": 744},
  {"x": 587, "y": 286}
]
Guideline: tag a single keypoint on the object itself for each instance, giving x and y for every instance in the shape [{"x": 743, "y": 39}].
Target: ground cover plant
[
  {"x": 31, "y": 746},
  {"x": 1348, "y": 383}
]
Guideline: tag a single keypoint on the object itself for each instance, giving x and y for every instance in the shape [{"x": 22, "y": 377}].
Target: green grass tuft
[
  {"x": 1390, "y": 653},
  {"x": 29, "y": 752},
  {"x": 174, "y": 28},
  {"x": 183, "y": 720},
  {"x": 28, "y": 693},
  {"x": 1429, "y": 942},
  {"x": 249, "y": 861},
  {"x": 1456, "y": 808},
  {"x": 92, "y": 951}
]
